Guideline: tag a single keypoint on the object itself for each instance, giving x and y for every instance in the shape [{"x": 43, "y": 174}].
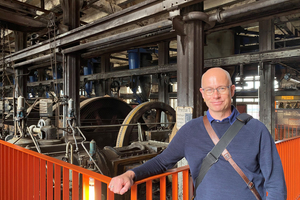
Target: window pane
[{"x": 249, "y": 85}]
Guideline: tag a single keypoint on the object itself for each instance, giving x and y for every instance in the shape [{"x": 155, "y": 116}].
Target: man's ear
[
  {"x": 200, "y": 89},
  {"x": 232, "y": 90}
]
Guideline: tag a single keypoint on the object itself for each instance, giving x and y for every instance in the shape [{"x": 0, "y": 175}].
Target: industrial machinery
[{"x": 111, "y": 138}]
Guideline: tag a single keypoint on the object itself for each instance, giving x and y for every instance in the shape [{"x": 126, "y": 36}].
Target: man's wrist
[{"x": 131, "y": 174}]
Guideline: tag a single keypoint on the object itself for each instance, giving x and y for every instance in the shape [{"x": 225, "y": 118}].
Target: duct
[{"x": 252, "y": 8}]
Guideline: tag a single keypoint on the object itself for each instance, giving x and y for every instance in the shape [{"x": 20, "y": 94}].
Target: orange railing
[
  {"x": 28, "y": 175},
  {"x": 289, "y": 152},
  {"x": 283, "y": 132},
  {"x": 186, "y": 186}
]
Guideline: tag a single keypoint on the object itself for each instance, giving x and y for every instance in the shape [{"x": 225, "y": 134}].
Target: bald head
[
  {"x": 216, "y": 73},
  {"x": 217, "y": 91}
]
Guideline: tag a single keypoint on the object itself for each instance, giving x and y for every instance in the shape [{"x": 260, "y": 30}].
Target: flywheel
[
  {"x": 152, "y": 116},
  {"x": 103, "y": 111}
]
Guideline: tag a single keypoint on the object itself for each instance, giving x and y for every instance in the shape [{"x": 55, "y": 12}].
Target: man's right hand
[{"x": 121, "y": 184}]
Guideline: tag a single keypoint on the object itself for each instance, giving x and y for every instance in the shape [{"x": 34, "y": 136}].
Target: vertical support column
[
  {"x": 190, "y": 62},
  {"x": 267, "y": 73},
  {"x": 72, "y": 83},
  {"x": 71, "y": 18},
  {"x": 163, "y": 84},
  {"x": 21, "y": 80},
  {"x": 102, "y": 86},
  {"x": 163, "y": 58},
  {"x": 105, "y": 67},
  {"x": 190, "y": 65}
]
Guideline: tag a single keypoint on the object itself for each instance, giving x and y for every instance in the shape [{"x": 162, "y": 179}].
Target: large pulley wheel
[
  {"x": 103, "y": 111},
  {"x": 150, "y": 116}
]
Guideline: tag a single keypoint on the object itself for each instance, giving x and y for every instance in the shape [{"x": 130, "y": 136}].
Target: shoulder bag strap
[
  {"x": 213, "y": 156},
  {"x": 227, "y": 155}
]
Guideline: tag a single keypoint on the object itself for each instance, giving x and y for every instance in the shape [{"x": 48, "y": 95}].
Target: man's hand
[{"x": 120, "y": 184}]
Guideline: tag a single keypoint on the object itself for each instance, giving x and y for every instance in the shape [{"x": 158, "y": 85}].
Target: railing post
[
  {"x": 66, "y": 195},
  {"x": 49, "y": 180},
  {"x": 29, "y": 178},
  {"x": 133, "y": 193},
  {"x": 98, "y": 190},
  {"x": 85, "y": 187},
  {"x": 149, "y": 190},
  {"x": 75, "y": 185},
  {"x": 57, "y": 182},
  {"x": 175, "y": 187},
  {"x": 36, "y": 178},
  {"x": 43, "y": 179},
  {"x": 163, "y": 190},
  {"x": 185, "y": 177}
]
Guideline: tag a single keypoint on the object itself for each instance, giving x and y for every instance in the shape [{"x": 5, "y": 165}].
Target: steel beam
[
  {"x": 141, "y": 11},
  {"x": 162, "y": 35},
  {"x": 40, "y": 59},
  {"x": 127, "y": 16},
  {"x": 267, "y": 74},
  {"x": 274, "y": 56},
  {"x": 131, "y": 72},
  {"x": 125, "y": 36},
  {"x": 27, "y": 22}
]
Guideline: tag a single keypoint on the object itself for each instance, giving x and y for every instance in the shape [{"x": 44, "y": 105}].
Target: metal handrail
[{"x": 26, "y": 174}]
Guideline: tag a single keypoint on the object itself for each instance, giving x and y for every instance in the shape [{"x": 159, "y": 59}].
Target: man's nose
[{"x": 216, "y": 93}]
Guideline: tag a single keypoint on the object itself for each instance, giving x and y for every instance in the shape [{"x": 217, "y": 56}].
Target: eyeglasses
[{"x": 211, "y": 91}]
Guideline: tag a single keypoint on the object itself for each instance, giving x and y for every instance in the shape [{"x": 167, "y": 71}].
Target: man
[{"x": 253, "y": 149}]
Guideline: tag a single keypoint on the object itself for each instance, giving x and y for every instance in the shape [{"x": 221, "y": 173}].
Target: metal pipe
[
  {"x": 247, "y": 9},
  {"x": 88, "y": 153},
  {"x": 71, "y": 159},
  {"x": 73, "y": 133},
  {"x": 67, "y": 149},
  {"x": 71, "y": 152},
  {"x": 140, "y": 134},
  {"x": 116, "y": 125},
  {"x": 33, "y": 138},
  {"x": 65, "y": 108}
]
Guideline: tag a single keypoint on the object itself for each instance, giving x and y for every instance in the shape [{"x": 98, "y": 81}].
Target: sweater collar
[{"x": 231, "y": 118}]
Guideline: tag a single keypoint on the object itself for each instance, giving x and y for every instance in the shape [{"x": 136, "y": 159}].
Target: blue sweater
[{"x": 253, "y": 149}]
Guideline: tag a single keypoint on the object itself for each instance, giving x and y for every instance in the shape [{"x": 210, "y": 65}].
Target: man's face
[{"x": 218, "y": 102}]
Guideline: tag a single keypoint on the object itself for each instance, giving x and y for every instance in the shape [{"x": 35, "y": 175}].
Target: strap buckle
[
  {"x": 212, "y": 157},
  {"x": 227, "y": 156},
  {"x": 250, "y": 185}
]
